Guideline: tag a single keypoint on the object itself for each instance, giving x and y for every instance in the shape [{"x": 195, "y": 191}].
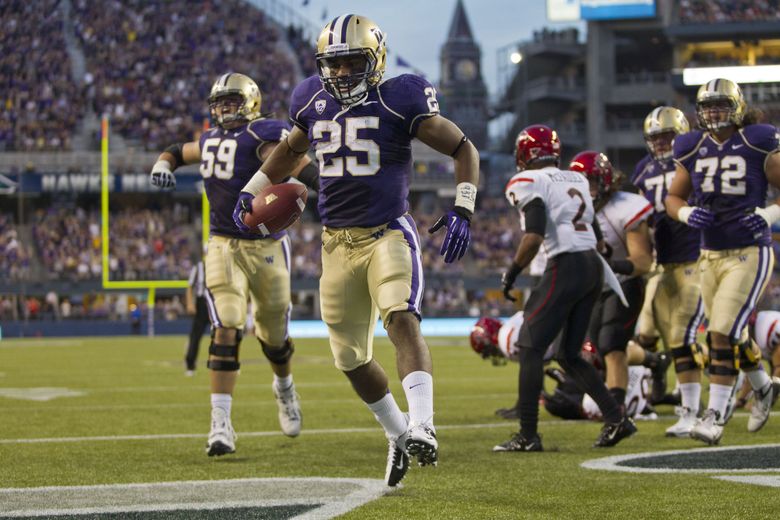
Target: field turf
[{"x": 136, "y": 418}]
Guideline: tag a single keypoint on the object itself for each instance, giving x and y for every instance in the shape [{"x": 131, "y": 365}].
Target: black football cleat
[
  {"x": 659, "y": 377},
  {"x": 612, "y": 433},
  {"x": 519, "y": 443}
]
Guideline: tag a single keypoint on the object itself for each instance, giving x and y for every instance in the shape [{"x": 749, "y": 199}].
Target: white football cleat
[
  {"x": 762, "y": 404},
  {"x": 222, "y": 438},
  {"x": 709, "y": 428},
  {"x": 289, "y": 410},
  {"x": 397, "y": 461},
  {"x": 421, "y": 443},
  {"x": 684, "y": 425}
]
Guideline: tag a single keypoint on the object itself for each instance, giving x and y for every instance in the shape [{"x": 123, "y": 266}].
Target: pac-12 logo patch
[{"x": 319, "y": 106}]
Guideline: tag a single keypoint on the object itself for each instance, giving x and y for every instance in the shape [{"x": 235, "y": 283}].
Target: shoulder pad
[
  {"x": 685, "y": 144},
  {"x": 762, "y": 137}
]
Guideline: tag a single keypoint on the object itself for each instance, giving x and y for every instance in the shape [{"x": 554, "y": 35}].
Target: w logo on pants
[{"x": 269, "y": 259}]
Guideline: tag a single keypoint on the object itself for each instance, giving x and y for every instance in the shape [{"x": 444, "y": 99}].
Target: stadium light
[
  {"x": 747, "y": 74},
  {"x": 515, "y": 57}
]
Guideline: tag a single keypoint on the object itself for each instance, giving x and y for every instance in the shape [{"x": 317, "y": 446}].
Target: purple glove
[
  {"x": 456, "y": 241},
  {"x": 755, "y": 221},
  {"x": 701, "y": 218},
  {"x": 243, "y": 206}
]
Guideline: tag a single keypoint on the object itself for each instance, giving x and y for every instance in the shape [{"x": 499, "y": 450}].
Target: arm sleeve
[{"x": 535, "y": 213}]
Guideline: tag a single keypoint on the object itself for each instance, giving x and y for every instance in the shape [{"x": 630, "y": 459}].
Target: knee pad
[
  {"x": 689, "y": 357},
  {"x": 278, "y": 356},
  {"x": 724, "y": 355},
  {"x": 229, "y": 351},
  {"x": 749, "y": 355}
]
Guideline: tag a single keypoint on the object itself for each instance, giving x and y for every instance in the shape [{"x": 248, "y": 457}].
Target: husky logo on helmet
[
  {"x": 234, "y": 100},
  {"x": 536, "y": 143},
  {"x": 720, "y": 104},
  {"x": 351, "y": 57},
  {"x": 661, "y": 126},
  {"x": 597, "y": 168}
]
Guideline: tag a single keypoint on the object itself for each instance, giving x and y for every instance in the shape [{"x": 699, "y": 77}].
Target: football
[{"x": 276, "y": 208}]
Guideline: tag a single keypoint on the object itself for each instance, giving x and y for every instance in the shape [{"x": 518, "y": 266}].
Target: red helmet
[
  {"x": 536, "y": 143},
  {"x": 484, "y": 335},
  {"x": 596, "y": 167}
]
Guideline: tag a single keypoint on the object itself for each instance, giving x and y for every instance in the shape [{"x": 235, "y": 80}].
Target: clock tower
[{"x": 463, "y": 95}]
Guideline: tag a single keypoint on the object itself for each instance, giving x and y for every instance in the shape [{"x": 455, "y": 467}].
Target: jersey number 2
[{"x": 578, "y": 226}]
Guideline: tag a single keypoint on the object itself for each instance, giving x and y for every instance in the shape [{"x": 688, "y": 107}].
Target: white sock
[
  {"x": 222, "y": 401},
  {"x": 418, "y": 387},
  {"x": 758, "y": 378},
  {"x": 283, "y": 383},
  {"x": 719, "y": 397},
  {"x": 389, "y": 415},
  {"x": 690, "y": 394}
]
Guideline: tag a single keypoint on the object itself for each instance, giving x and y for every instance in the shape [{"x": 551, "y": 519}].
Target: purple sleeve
[
  {"x": 683, "y": 147},
  {"x": 416, "y": 100},
  {"x": 763, "y": 137},
  {"x": 639, "y": 170},
  {"x": 301, "y": 98},
  {"x": 270, "y": 130}
]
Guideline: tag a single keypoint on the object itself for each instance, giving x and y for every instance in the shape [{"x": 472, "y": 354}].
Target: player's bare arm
[
  {"x": 172, "y": 157},
  {"x": 282, "y": 160},
  {"x": 677, "y": 206},
  {"x": 306, "y": 171},
  {"x": 444, "y": 136},
  {"x": 640, "y": 251}
]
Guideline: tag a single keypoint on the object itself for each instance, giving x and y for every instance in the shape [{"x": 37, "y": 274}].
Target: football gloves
[
  {"x": 162, "y": 176},
  {"x": 456, "y": 240},
  {"x": 243, "y": 206},
  {"x": 508, "y": 280},
  {"x": 761, "y": 218},
  {"x": 696, "y": 217}
]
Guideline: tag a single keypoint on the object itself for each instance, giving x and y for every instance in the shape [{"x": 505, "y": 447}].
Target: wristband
[
  {"x": 684, "y": 213},
  {"x": 466, "y": 195},
  {"x": 257, "y": 183},
  {"x": 162, "y": 165}
]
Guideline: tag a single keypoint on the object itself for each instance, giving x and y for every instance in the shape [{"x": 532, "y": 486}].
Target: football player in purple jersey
[
  {"x": 672, "y": 297},
  {"x": 727, "y": 167},
  {"x": 361, "y": 127},
  {"x": 239, "y": 264}
]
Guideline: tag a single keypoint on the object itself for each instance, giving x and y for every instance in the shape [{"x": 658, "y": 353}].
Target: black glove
[{"x": 508, "y": 280}]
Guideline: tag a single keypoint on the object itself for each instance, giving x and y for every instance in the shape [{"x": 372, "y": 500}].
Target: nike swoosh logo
[
  {"x": 400, "y": 464},
  {"x": 413, "y": 386},
  {"x": 735, "y": 146}
]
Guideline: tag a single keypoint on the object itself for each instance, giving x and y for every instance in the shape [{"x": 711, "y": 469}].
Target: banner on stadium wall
[
  {"x": 77, "y": 183},
  {"x": 594, "y": 10}
]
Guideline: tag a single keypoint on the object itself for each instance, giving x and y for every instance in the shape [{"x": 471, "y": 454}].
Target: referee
[{"x": 196, "y": 306}]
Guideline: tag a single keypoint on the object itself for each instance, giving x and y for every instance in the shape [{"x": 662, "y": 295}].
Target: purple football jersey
[
  {"x": 728, "y": 178},
  {"x": 364, "y": 151},
  {"x": 674, "y": 241},
  {"x": 229, "y": 158}
]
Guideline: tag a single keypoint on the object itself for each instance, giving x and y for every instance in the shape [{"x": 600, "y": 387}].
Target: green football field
[{"x": 109, "y": 411}]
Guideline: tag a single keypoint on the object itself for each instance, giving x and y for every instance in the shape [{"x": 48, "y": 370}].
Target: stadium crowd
[
  {"x": 39, "y": 103},
  {"x": 151, "y": 66},
  {"x": 725, "y": 11},
  {"x": 14, "y": 255}
]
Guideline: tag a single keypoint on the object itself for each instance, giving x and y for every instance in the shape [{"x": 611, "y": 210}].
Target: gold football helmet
[
  {"x": 234, "y": 100},
  {"x": 661, "y": 126},
  {"x": 351, "y": 57},
  {"x": 720, "y": 104}
]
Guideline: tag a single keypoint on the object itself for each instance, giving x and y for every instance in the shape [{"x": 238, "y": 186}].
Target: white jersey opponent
[
  {"x": 623, "y": 213},
  {"x": 639, "y": 380},
  {"x": 566, "y": 195},
  {"x": 767, "y": 332},
  {"x": 507, "y": 337}
]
